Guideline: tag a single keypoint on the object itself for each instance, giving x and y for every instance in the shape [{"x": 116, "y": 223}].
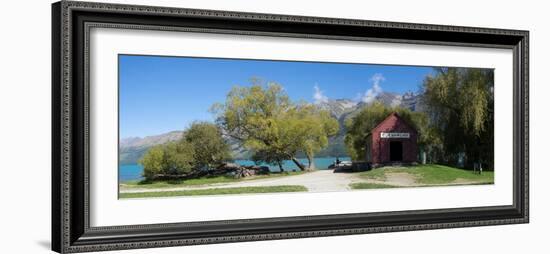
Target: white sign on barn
[{"x": 395, "y": 135}]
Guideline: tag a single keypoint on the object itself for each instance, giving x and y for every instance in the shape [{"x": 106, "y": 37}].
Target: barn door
[{"x": 396, "y": 151}]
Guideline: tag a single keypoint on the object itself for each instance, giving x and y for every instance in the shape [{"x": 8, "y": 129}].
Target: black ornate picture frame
[{"x": 71, "y": 230}]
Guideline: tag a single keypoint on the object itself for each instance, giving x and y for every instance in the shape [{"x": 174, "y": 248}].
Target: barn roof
[{"x": 390, "y": 115}]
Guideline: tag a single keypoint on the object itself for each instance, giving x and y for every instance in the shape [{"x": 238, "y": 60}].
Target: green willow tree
[
  {"x": 264, "y": 120},
  {"x": 153, "y": 162},
  {"x": 360, "y": 126},
  {"x": 173, "y": 158},
  {"x": 210, "y": 148},
  {"x": 311, "y": 129},
  {"x": 202, "y": 147},
  {"x": 178, "y": 158},
  {"x": 460, "y": 103}
]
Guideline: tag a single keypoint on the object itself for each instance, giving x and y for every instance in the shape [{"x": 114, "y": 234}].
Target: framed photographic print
[{"x": 181, "y": 126}]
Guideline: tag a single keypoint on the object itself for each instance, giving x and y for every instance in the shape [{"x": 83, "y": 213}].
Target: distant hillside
[{"x": 132, "y": 149}]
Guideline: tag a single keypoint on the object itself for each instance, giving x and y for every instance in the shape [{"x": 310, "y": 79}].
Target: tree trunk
[
  {"x": 300, "y": 165},
  {"x": 310, "y": 163},
  {"x": 423, "y": 155},
  {"x": 281, "y": 167}
]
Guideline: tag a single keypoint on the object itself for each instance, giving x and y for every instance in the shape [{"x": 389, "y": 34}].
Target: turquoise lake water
[{"x": 131, "y": 172}]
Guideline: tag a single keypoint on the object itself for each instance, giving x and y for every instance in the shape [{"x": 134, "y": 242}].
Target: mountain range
[{"x": 132, "y": 149}]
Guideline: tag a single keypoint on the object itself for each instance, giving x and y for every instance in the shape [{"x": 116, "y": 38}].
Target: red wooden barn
[{"x": 392, "y": 141}]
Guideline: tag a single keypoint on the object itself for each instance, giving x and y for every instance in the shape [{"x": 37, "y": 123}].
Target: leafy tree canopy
[
  {"x": 460, "y": 103},
  {"x": 168, "y": 159},
  {"x": 210, "y": 148},
  {"x": 202, "y": 147},
  {"x": 264, "y": 120}
]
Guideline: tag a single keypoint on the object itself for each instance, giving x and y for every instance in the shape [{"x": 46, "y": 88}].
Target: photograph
[
  {"x": 207, "y": 126},
  {"x": 192, "y": 126}
]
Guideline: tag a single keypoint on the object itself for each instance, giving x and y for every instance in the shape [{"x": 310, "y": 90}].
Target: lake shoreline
[{"x": 132, "y": 172}]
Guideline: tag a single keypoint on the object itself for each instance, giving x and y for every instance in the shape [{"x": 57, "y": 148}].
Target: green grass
[
  {"x": 143, "y": 184},
  {"x": 216, "y": 191},
  {"x": 432, "y": 174},
  {"x": 359, "y": 186}
]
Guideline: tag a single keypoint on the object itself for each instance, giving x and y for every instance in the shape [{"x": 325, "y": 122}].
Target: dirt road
[{"x": 317, "y": 181}]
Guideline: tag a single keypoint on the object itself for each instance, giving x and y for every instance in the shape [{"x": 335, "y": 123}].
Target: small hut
[{"x": 392, "y": 141}]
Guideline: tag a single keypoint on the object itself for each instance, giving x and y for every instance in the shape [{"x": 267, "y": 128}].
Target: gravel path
[{"x": 316, "y": 181}]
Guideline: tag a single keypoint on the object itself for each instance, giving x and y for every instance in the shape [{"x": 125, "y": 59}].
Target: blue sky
[{"x": 161, "y": 94}]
